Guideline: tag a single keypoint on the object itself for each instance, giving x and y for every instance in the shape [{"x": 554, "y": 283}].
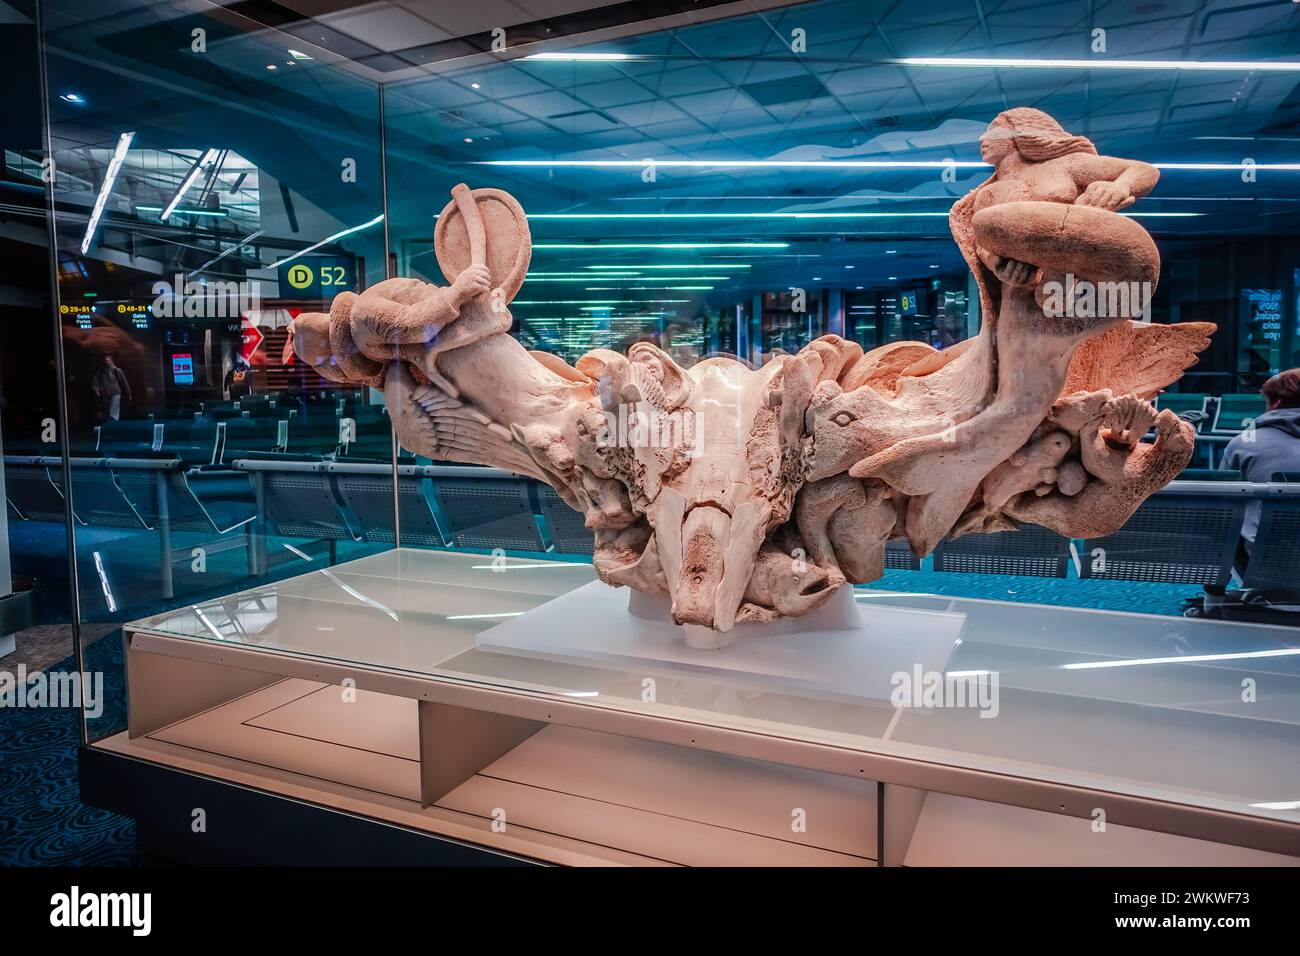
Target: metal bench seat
[{"x": 1031, "y": 550}]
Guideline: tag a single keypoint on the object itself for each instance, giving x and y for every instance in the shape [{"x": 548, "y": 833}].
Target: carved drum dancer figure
[{"x": 791, "y": 479}]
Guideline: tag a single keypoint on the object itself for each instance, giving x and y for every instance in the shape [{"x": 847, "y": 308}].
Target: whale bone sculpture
[{"x": 751, "y": 495}]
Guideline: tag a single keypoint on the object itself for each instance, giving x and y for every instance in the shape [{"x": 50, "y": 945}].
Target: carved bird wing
[
  {"x": 445, "y": 428},
  {"x": 1138, "y": 358}
]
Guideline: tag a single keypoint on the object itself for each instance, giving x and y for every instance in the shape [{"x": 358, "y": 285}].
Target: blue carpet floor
[{"x": 42, "y": 819}]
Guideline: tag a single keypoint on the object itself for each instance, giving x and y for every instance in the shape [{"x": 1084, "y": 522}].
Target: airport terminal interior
[{"x": 232, "y": 544}]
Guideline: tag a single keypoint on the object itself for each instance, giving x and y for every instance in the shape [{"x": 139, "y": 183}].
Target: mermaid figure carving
[
  {"x": 795, "y": 476},
  {"x": 1036, "y": 161}
]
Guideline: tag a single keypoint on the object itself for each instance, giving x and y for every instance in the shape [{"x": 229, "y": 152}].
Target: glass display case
[
  {"x": 352, "y": 649},
  {"x": 403, "y": 683}
]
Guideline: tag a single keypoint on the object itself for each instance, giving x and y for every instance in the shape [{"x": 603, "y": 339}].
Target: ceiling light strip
[
  {"x": 563, "y": 57},
  {"x": 338, "y": 235},
  {"x": 823, "y": 164},
  {"x": 1231, "y": 66},
  {"x": 110, "y": 177},
  {"x": 660, "y": 245},
  {"x": 203, "y": 162}
]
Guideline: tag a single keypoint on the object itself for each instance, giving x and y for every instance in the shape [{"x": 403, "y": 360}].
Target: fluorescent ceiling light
[
  {"x": 697, "y": 265},
  {"x": 338, "y": 235},
  {"x": 594, "y": 303},
  {"x": 740, "y": 215},
  {"x": 207, "y": 622},
  {"x": 103, "y": 583},
  {"x": 601, "y": 276},
  {"x": 1234, "y": 66},
  {"x": 370, "y": 602},
  {"x": 209, "y": 156},
  {"x": 1184, "y": 659},
  {"x": 799, "y": 164},
  {"x": 1231, "y": 167},
  {"x": 110, "y": 177},
  {"x": 594, "y": 321},
  {"x": 738, "y": 163},
  {"x": 938, "y": 214},
  {"x": 482, "y": 617},
  {"x": 650, "y": 288},
  {"x": 178, "y": 211},
  {"x": 236, "y": 245},
  {"x": 578, "y": 57},
  {"x": 661, "y": 245}
]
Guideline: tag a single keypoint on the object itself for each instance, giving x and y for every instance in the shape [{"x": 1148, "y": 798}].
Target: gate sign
[
  {"x": 252, "y": 339},
  {"x": 317, "y": 277}
]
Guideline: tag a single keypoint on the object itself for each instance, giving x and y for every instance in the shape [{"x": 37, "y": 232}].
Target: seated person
[{"x": 1270, "y": 446}]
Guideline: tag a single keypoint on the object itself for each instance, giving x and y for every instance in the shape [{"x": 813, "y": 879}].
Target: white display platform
[{"x": 844, "y": 649}]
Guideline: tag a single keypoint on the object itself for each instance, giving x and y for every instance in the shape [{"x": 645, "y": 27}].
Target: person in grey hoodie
[
  {"x": 1269, "y": 446},
  {"x": 1272, "y": 445}
]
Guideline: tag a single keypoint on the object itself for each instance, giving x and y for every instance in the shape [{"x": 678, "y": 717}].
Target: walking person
[{"x": 109, "y": 385}]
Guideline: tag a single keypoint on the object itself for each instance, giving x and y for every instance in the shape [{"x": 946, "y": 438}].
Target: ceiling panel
[{"x": 731, "y": 89}]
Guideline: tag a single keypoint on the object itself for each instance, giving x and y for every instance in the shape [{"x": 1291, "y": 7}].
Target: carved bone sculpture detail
[{"x": 753, "y": 495}]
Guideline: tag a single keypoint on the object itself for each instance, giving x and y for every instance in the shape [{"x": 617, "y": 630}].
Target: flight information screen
[{"x": 183, "y": 368}]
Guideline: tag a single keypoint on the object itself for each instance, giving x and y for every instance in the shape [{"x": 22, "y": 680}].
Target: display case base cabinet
[{"x": 239, "y": 756}]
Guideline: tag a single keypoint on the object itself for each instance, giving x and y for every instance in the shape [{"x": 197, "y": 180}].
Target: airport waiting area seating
[
  {"x": 1236, "y": 412},
  {"x": 302, "y": 477},
  {"x": 1030, "y": 550},
  {"x": 1275, "y": 556},
  {"x": 1217, "y": 419},
  {"x": 1182, "y": 403},
  {"x": 568, "y": 533},
  {"x": 1186, "y": 534}
]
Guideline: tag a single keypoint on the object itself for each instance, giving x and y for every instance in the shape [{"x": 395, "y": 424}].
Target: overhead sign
[
  {"x": 83, "y": 314},
  {"x": 317, "y": 277},
  {"x": 907, "y": 302},
  {"x": 137, "y": 313}
]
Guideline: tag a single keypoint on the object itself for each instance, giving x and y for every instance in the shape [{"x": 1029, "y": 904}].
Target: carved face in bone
[{"x": 844, "y": 427}]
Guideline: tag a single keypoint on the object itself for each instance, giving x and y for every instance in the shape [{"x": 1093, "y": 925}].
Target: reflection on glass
[
  {"x": 196, "y": 221},
  {"x": 701, "y": 200}
]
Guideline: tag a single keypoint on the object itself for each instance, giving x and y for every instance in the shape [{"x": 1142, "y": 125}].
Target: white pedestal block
[{"x": 843, "y": 649}]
